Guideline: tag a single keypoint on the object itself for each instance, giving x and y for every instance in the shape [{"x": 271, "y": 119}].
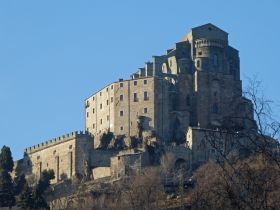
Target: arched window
[{"x": 215, "y": 59}]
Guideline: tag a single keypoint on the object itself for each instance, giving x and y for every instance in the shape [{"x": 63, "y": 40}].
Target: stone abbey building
[{"x": 192, "y": 88}]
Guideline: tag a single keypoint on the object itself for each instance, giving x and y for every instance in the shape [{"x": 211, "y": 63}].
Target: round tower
[{"x": 210, "y": 55}]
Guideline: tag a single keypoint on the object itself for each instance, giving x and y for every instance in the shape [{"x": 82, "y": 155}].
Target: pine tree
[
  {"x": 6, "y": 160},
  {"x": 20, "y": 182},
  {"x": 7, "y": 198},
  {"x": 25, "y": 199},
  {"x": 43, "y": 184}
]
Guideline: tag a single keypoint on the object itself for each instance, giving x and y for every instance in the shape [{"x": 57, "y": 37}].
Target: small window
[
  {"x": 93, "y": 98},
  {"x": 121, "y": 97},
  {"x": 198, "y": 63},
  {"x": 121, "y": 85},
  {"x": 108, "y": 117},
  {"x": 100, "y": 93},
  {"x": 215, "y": 108},
  {"x": 100, "y": 106},
  {"x": 112, "y": 86},
  {"x": 188, "y": 100},
  {"x": 93, "y": 125},
  {"x": 146, "y": 98},
  {"x": 112, "y": 99},
  {"x": 170, "y": 63},
  {"x": 145, "y": 110},
  {"x": 200, "y": 53},
  {"x": 70, "y": 146},
  {"x": 54, "y": 152},
  {"x": 121, "y": 128},
  {"x": 135, "y": 97},
  {"x": 121, "y": 113},
  {"x": 107, "y": 102},
  {"x": 87, "y": 114},
  {"x": 93, "y": 110},
  {"x": 145, "y": 82},
  {"x": 215, "y": 60},
  {"x": 107, "y": 89},
  {"x": 135, "y": 83},
  {"x": 38, "y": 157},
  {"x": 101, "y": 121}
]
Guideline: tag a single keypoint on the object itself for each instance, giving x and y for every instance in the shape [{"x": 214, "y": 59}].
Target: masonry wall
[{"x": 66, "y": 157}]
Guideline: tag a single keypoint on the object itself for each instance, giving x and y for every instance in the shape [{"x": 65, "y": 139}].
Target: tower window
[
  {"x": 101, "y": 121},
  {"x": 87, "y": 114},
  {"x": 93, "y": 110},
  {"x": 135, "y": 97},
  {"x": 121, "y": 97},
  {"x": 145, "y": 82},
  {"x": 121, "y": 84},
  {"x": 107, "y": 102},
  {"x": 93, "y": 125},
  {"x": 215, "y": 108},
  {"x": 112, "y": 99},
  {"x": 112, "y": 87},
  {"x": 108, "y": 117},
  {"x": 215, "y": 60},
  {"x": 188, "y": 100},
  {"x": 100, "y": 93},
  {"x": 145, "y": 110},
  {"x": 121, "y": 128},
  {"x": 146, "y": 96},
  {"x": 100, "y": 106},
  {"x": 93, "y": 98},
  {"x": 135, "y": 83},
  {"x": 121, "y": 113},
  {"x": 198, "y": 63},
  {"x": 200, "y": 53}
]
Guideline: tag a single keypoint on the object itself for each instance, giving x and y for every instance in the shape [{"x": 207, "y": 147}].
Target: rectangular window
[
  {"x": 93, "y": 110},
  {"x": 100, "y": 93},
  {"x": 112, "y": 99},
  {"x": 145, "y": 82},
  {"x": 112, "y": 87},
  {"x": 121, "y": 113},
  {"x": 121, "y": 85},
  {"x": 93, "y": 98},
  {"x": 107, "y": 102},
  {"x": 135, "y": 97},
  {"x": 145, "y": 110},
  {"x": 108, "y": 117},
  {"x": 101, "y": 121},
  {"x": 121, "y": 97},
  {"x": 107, "y": 89},
  {"x": 135, "y": 83},
  {"x": 100, "y": 106},
  {"x": 121, "y": 128},
  {"x": 93, "y": 125},
  {"x": 87, "y": 114},
  {"x": 146, "y": 98}
]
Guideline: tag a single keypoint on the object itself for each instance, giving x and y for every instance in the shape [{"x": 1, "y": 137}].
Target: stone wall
[{"x": 67, "y": 156}]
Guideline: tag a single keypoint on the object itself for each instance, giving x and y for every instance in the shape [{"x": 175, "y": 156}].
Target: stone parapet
[{"x": 55, "y": 141}]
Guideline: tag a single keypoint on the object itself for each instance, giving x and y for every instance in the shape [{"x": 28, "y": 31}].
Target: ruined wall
[{"x": 125, "y": 165}]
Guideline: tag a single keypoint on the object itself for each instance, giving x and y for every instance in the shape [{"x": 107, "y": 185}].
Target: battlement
[{"x": 55, "y": 141}]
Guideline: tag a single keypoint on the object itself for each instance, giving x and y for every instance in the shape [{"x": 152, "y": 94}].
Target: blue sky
[{"x": 53, "y": 54}]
